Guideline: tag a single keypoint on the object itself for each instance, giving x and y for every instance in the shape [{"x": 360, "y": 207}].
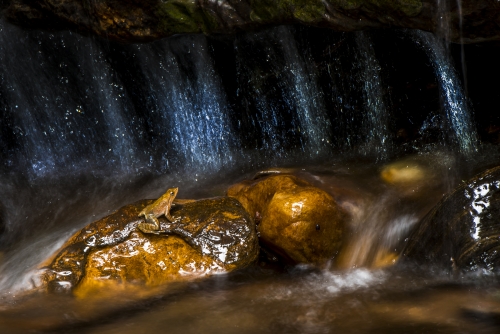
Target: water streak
[
  {"x": 453, "y": 98},
  {"x": 315, "y": 126},
  {"x": 376, "y": 118},
  {"x": 462, "y": 51},
  {"x": 190, "y": 102},
  {"x": 63, "y": 103},
  {"x": 277, "y": 85},
  {"x": 67, "y": 109}
]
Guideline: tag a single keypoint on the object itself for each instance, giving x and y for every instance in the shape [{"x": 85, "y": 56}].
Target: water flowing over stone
[
  {"x": 375, "y": 122},
  {"x": 290, "y": 114},
  {"x": 55, "y": 110},
  {"x": 190, "y": 108},
  {"x": 455, "y": 103},
  {"x": 159, "y": 106},
  {"x": 77, "y": 103},
  {"x": 187, "y": 96}
]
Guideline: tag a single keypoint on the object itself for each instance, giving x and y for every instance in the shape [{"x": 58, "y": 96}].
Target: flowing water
[
  {"x": 376, "y": 120},
  {"x": 88, "y": 126},
  {"x": 365, "y": 295},
  {"x": 455, "y": 104}
]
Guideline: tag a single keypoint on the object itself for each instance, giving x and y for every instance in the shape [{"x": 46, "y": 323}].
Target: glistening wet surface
[
  {"x": 361, "y": 291},
  {"x": 357, "y": 301},
  {"x": 300, "y": 300}
]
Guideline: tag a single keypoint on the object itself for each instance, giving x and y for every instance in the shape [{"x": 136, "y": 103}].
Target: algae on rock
[{"x": 184, "y": 16}]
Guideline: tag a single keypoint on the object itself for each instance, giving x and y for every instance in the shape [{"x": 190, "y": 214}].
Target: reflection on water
[
  {"x": 298, "y": 301},
  {"x": 308, "y": 305},
  {"x": 365, "y": 295}
]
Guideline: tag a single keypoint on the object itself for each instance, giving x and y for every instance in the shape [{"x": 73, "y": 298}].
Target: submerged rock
[
  {"x": 153, "y": 19},
  {"x": 298, "y": 221},
  {"x": 463, "y": 230},
  {"x": 403, "y": 174},
  {"x": 418, "y": 176},
  {"x": 205, "y": 237}
]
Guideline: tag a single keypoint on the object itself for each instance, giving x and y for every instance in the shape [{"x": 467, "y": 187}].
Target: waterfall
[
  {"x": 277, "y": 84},
  {"x": 77, "y": 105},
  {"x": 376, "y": 119},
  {"x": 68, "y": 110},
  {"x": 190, "y": 103},
  {"x": 306, "y": 94},
  {"x": 454, "y": 101},
  {"x": 74, "y": 104},
  {"x": 62, "y": 103}
]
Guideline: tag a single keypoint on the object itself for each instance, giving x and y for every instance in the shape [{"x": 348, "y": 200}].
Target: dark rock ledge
[{"x": 145, "y": 20}]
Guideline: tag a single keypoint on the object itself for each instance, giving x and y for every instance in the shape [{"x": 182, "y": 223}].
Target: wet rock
[
  {"x": 301, "y": 222},
  {"x": 418, "y": 176},
  {"x": 402, "y": 174},
  {"x": 135, "y": 20},
  {"x": 206, "y": 237},
  {"x": 463, "y": 231}
]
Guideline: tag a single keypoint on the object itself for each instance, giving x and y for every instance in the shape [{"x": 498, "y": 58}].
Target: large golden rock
[
  {"x": 297, "y": 220},
  {"x": 205, "y": 237}
]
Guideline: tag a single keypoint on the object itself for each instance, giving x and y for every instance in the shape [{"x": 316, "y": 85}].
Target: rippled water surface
[
  {"x": 297, "y": 301},
  {"x": 364, "y": 292}
]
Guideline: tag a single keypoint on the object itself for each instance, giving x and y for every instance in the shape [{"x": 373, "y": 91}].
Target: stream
[{"x": 88, "y": 125}]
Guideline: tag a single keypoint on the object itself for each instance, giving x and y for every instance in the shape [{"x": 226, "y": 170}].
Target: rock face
[
  {"x": 463, "y": 230},
  {"x": 135, "y": 20},
  {"x": 207, "y": 236},
  {"x": 298, "y": 221}
]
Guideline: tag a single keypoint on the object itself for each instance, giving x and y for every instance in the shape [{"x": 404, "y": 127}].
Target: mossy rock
[
  {"x": 184, "y": 16},
  {"x": 305, "y": 11}
]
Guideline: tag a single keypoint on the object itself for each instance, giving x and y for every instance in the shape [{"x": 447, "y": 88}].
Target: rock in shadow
[{"x": 463, "y": 231}]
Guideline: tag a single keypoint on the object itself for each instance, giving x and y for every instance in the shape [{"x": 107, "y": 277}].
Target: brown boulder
[
  {"x": 206, "y": 237},
  {"x": 301, "y": 222}
]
